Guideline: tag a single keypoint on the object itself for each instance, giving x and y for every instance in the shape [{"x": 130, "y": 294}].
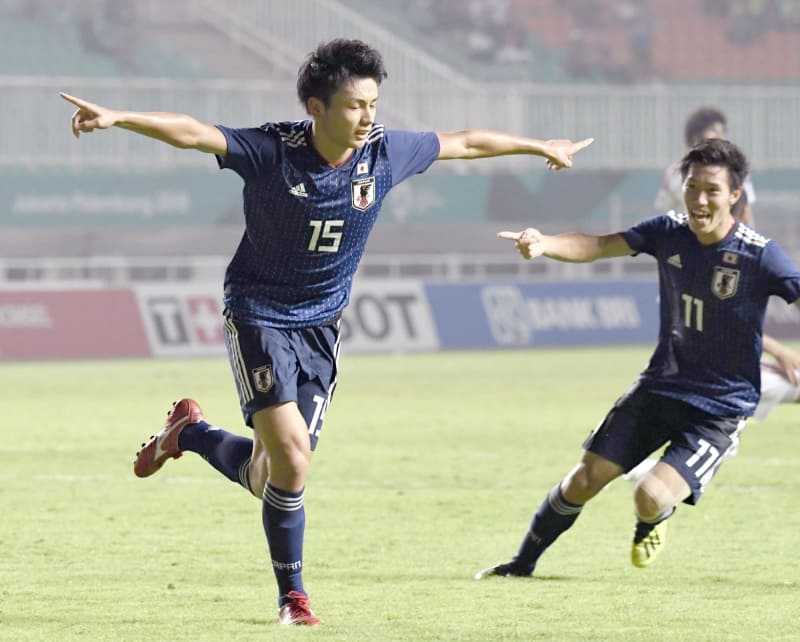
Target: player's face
[
  {"x": 346, "y": 120},
  {"x": 708, "y": 199}
]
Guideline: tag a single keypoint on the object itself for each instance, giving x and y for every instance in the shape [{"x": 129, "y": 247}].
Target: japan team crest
[
  {"x": 724, "y": 282},
  {"x": 363, "y": 192},
  {"x": 262, "y": 377}
]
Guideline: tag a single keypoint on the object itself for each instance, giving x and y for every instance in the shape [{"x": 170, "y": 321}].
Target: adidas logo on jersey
[
  {"x": 675, "y": 260},
  {"x": 299, "y": 190}
]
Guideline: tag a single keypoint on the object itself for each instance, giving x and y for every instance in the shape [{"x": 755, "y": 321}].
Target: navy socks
[
  {"x": 282, "y": 514},
  {"x": 284, "y": 519},
  {"x": 554, "y": 516},
  {"x": 228, "y": 453}
]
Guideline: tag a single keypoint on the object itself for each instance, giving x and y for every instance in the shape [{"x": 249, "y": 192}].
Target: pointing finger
[
  {"x": 82, "y": 105},
  {"x": 582, "y": 144},
  {"x": 511, "y": 236},
  {"x": 71, "y": 99}
]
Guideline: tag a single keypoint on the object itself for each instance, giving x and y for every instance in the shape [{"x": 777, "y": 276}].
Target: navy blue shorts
[
  {"x": 642, "y": 422},
  {"x": 273, "y": 366}
]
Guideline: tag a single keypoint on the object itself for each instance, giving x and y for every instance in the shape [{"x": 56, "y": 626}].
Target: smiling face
[
  {"x": 344, "y": 123},
  {"x": 708, "y": 198}
]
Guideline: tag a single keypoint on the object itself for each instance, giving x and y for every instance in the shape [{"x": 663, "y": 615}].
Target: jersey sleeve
[
  {"x": 250, "y": 150},
  {"x": 410, "y": 152},
  {"x": 781, "y": 272},
  {"x": 643, "y": 237}
]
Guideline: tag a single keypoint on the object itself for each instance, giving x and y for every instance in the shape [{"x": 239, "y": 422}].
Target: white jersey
[{"x": 775, "y": 389}]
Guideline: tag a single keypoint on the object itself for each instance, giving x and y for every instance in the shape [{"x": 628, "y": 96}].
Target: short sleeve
[
  {"x": 643, "y": 237},
  {"x": 410, "y": 152},
  {"x": 250, "y": 151}
]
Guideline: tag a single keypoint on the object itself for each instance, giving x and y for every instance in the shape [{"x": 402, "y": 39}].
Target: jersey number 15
[{"x": 326, "y": 236}]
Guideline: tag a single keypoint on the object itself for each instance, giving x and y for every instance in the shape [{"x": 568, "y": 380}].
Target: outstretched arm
[
  {"x": 571, "y": 247},
  {"x": 481, "y": 143},
  {"x": 178, "y": 130},
  {"x": 786, "y": 358}
]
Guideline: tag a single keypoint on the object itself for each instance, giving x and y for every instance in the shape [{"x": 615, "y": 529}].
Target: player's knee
[
  {"x": 652, "y": 498},
  {"x": 289, "y": 464}
]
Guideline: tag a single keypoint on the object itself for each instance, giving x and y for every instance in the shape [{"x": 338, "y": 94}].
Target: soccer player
[
  {"x": 312, "y": 192},
  {"x": 780, "y": 381},
  {"x": 715, "y": 277}
]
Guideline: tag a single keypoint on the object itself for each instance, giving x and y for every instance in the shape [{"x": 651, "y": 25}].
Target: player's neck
[
  {"x": 332, "y": 153},
  {"x": 719, "y": 234}
]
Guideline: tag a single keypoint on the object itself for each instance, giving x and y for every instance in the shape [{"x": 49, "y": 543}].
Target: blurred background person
[{"x": 705, "y": 122}]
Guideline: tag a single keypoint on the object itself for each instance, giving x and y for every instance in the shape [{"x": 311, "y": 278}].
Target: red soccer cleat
[
  {"x": 164, "y": 444},
  {"x": 297, "y": 610}
]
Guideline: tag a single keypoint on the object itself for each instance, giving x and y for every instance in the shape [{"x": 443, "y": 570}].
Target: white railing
[
  {"x": 634, "y": 127},
  {"x": 121, "y": 271}
]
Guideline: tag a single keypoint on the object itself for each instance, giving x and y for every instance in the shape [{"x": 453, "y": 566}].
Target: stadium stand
[
  {"x": 604, "y": 40},
  {"x": 89, "y": 38}
]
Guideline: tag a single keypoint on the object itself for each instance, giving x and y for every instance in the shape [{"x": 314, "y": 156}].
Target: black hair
[
  {"x": 333, "y": 64},
  {"x": 718, "y": 151},
  {"x": 699, "y": 121}
]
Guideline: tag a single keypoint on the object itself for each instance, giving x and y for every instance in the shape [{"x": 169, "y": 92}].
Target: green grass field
[{"x": 429, "y": 468}]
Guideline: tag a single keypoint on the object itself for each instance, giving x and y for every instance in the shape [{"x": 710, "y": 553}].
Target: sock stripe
[
  {"x": 561, "y": 505},
  {"x": 279, "y": 500},
  {"x": 661, "y": 518},
  {"x": 244, "y": 474}
]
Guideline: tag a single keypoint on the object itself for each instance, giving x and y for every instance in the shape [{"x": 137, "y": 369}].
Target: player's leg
[
  {"x": 655, "y": 497},
  {"x": 692, "y": 458},
  {"x": 557, "y": 513},
  {"x": 259, "y": 468},
  {"x": 187, "y": 430},
  {"x": 609, "y": 451},
  {"x": 659, "y": 487},
  {"x": 588, "y": 478},
  {"x": 564, "y": 503},
  {"x": 284, "y": 434},
  {"x": 286, "y": 411},
  {"x": 658, "y": 492}
]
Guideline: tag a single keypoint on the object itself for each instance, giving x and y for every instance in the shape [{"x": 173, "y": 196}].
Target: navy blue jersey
[
  {"x": 306, "y": 223},
  {"x": 713, "y": 302}
]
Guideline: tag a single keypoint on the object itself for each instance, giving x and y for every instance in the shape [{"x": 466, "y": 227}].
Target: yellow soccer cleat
[{"x": 648, "y": 542}]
